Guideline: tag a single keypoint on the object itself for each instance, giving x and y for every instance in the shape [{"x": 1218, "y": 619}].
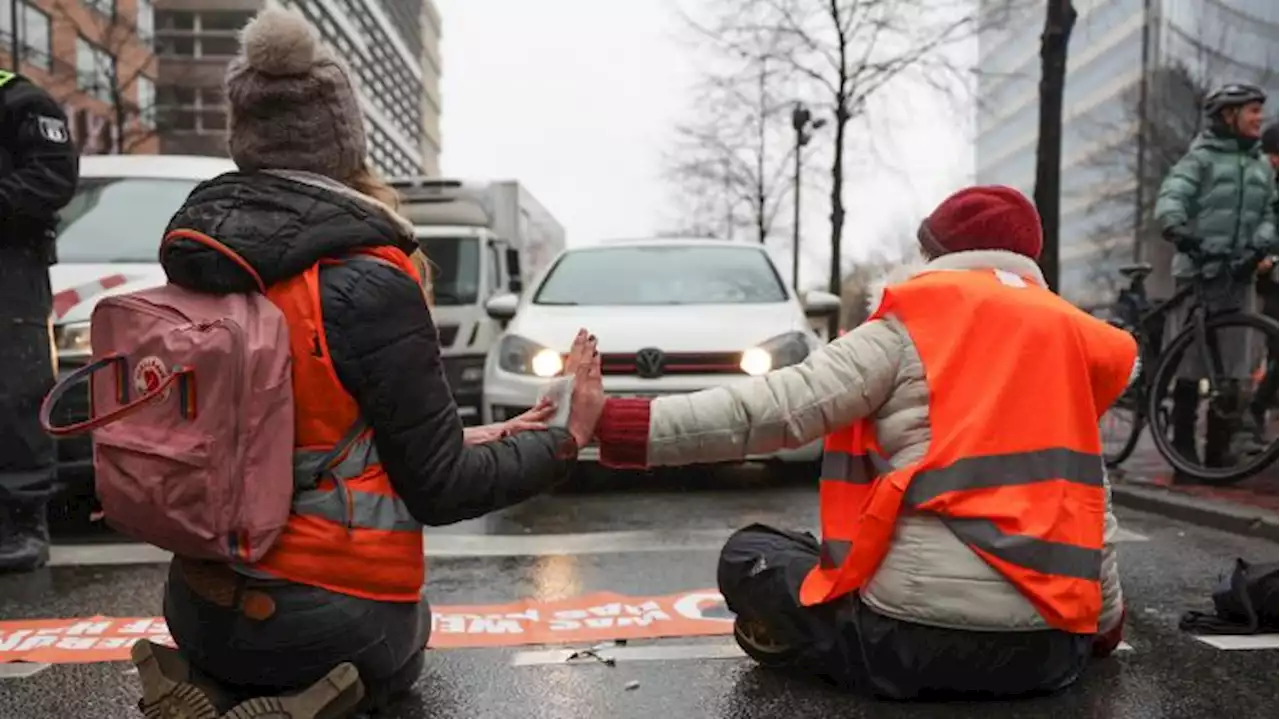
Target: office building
[
  {"x": 386, "y": 43},
  {"x": 1215, "y": 40},
  {"x": 96, "y": 58}
]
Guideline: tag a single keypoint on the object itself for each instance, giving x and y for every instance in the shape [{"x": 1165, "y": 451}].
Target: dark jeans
[
  {"x": 27, "y": 455},
  {"x": 847, "y": 644},
  {"x": 311, "y": 632}
]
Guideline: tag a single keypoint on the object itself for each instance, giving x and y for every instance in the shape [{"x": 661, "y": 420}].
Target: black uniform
[{"x": 38, "y": 172}]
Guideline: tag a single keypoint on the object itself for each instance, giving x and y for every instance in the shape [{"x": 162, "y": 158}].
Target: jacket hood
[
  {"x": 972, "y": 260},
  {"x": 280, "y": 223}
]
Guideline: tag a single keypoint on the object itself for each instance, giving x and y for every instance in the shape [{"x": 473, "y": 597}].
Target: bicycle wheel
[
  {"x": 1259, "y": 336},
  {"x": 1121, "y": 427}
]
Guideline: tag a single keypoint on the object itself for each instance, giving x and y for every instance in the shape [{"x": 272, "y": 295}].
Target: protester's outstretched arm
[
  {"x": 387, "y": 354},
  {"x": 845, "y": 381}
]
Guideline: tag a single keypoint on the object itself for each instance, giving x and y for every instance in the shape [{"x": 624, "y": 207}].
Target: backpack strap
[
  {"x": 309, "y": 476},
  {"x": 201, "y": 238}
]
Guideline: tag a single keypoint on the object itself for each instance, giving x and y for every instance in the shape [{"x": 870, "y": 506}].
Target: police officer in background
[{"x": 39, "y": 168}]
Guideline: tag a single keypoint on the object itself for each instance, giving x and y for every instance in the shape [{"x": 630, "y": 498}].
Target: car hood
[
  {"x": 78, "y": 286},
  {"x": 671, "y": 328}
]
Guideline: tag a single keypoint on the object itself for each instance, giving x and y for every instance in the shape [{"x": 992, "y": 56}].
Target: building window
[
  {"x": 105, "y": 7},
  {"x": 200, "y": 34},
  {"x": 146, "y": 89},
  {"x": 34, "y": 32},
  {"x": 201, "y": 111},
  {"x": 146, "y": 21},
  {"x": 95, "y": 70},
  {"x": 37, "y": 41}
]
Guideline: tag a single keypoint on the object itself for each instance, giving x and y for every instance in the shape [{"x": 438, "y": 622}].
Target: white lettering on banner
[{"x": 608, "y": 616}]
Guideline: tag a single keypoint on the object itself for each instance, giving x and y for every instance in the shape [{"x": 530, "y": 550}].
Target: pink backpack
[{"x": 193, "y": 425}]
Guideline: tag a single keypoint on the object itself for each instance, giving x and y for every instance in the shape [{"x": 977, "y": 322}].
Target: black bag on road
[{"x": 1244, "y": 602}]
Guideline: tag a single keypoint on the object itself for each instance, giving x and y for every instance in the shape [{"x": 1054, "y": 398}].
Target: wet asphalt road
[{"x": 567, "y": 545}]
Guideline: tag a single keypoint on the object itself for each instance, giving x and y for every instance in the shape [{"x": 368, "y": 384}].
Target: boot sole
[
  {"x": 162, "y": 696},
  {"x": 333, "y": 697}
]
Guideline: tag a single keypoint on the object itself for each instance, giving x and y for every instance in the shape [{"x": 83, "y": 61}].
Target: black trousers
[
  {"x": 851, "y": 646},
  {"x": 312, "y": 631},
  {"x": 28, "y": 456}
]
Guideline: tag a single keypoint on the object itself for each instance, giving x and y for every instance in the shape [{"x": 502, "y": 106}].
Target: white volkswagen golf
[{"x": 670, "y": 316}]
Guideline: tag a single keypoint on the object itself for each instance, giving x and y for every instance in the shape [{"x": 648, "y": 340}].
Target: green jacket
[{"x": 1224, "y": 192}]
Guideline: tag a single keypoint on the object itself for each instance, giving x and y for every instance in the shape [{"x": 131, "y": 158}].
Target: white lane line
[
  {"x": 653, "y": 653},
  {"x": 473, "y": 545},
  {"x": 1229, "y": 643},
  {"x": 21, "y": 670}
]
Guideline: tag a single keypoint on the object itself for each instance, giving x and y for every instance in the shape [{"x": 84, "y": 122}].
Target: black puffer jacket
[{"x": 384, "y": 343}]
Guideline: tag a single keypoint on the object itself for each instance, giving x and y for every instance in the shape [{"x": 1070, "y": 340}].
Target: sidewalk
[{"x": 1145, "y": 481}]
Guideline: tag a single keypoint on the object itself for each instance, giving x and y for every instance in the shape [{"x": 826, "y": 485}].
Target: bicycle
[{"x": 1149, "y": 399}]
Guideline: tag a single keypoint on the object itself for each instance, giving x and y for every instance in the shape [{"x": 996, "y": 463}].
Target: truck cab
[{"x": 470, "y": 264}]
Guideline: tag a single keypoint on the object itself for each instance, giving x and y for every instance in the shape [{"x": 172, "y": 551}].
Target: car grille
[{"x": 679, "y": 363}]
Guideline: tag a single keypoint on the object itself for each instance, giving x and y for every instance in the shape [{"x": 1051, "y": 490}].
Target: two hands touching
[{"x": 585, "y": 404}]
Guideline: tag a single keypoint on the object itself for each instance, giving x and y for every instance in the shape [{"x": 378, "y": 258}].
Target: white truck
[{"x": 483, "y": 240}]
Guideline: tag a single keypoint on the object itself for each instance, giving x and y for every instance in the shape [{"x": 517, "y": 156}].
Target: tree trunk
[
  {"x": 761, "y": 197},
  {"x": 834, "y": 281},
  {"x": 1060, "y": 17}
]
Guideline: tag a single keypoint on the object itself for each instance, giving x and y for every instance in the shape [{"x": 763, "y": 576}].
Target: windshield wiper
[{"x": 557, "y": 303}]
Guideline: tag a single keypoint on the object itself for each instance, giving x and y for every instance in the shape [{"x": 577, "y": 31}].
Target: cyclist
[
  {"x": 1268, "y": 295},
  {"x": 1217, "y": 207}
]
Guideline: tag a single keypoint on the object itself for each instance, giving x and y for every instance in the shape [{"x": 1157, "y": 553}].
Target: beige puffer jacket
[{"x": 928, "y": 576}]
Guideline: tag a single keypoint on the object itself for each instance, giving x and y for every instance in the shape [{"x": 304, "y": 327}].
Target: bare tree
[
  {"x": 1171, "y": 121},
  {"x": 121, "y": 63},
  {"x": 728, "y": 165},
  {"x": 839, "y": 53}
]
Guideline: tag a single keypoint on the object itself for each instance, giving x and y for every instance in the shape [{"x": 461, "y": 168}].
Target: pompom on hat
[
  {"x": 988, "y": 217},
  {"x": 293, "y": 104}
]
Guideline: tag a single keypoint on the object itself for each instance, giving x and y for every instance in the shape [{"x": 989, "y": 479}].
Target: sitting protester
[
  {"x": 968, "y": 543},
  {"x": 342, "y": 586}
]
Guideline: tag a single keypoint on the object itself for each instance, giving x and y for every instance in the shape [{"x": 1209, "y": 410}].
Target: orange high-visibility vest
[
  {"x": 348, "y": 532},
  {"x": 1018, "y": 380}
]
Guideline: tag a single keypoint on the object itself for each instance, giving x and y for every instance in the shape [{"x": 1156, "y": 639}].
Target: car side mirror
[
  {"x": 820, "y": 304},
  {"x": 502, "y": 307}
]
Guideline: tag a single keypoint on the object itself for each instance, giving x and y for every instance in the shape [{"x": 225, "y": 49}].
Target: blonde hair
[{"x": 366, "y": 181}]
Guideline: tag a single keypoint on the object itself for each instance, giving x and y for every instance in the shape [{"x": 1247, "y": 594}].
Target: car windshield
[
  {"x": 662, "y": 275},
  {"x": 119, "y": 219},
  {"x": 455, "y": 269}
]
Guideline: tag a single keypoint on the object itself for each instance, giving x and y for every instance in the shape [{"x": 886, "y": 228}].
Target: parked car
[
  {"x": 108, "y": 243},
  {"x": 671, "y": 316}
]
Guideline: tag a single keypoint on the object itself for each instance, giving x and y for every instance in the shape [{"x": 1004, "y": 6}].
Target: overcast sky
[{"x": 577, "y": 99}]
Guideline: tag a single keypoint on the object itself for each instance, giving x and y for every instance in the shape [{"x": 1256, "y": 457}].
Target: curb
[{"x": 1204, "y": 511}]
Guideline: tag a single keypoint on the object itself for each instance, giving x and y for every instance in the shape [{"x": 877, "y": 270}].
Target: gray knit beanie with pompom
[{"x": 293, "y": 106}]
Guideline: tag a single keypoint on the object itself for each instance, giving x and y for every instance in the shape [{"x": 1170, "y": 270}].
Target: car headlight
[
  {"x": 72, "y": 339},
  {"x": 781, "y": 351},
  {"x": 521, "y": 356}
]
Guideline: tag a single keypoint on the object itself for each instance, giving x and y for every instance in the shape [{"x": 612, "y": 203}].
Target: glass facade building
[
  {"x": 1216, "y": 40},
  {"x": 387, "y": 44}
]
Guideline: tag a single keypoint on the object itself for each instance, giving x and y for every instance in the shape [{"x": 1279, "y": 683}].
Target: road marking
[
  {"x": 472, "y": 545},
  {"x": 21, "y": 670},
  {"x": 652, "y": 653},
  {"x": 1230, "y": 643}
]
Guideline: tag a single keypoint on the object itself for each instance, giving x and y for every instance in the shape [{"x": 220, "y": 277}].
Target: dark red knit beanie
[{"x": 989, "y": 217}]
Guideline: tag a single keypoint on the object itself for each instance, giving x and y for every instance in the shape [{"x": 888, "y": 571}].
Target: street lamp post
[{"x": 803, "y": 122}]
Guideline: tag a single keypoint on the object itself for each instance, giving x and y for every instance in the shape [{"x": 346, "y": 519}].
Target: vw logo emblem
[{"x": 649, "y": 362}]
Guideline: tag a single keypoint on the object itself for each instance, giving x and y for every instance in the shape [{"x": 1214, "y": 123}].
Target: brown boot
[
  {"x": 333, "y": 697},
  {"x": 167, "y": 688}
]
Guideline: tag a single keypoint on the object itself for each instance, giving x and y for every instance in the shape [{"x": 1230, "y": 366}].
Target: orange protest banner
[{"x": 593, "y": 618}]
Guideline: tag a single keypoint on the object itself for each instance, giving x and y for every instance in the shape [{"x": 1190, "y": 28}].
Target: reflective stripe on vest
[
  {"x": 367, "y": 510},
  {"x": 984, "y": 472}
]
